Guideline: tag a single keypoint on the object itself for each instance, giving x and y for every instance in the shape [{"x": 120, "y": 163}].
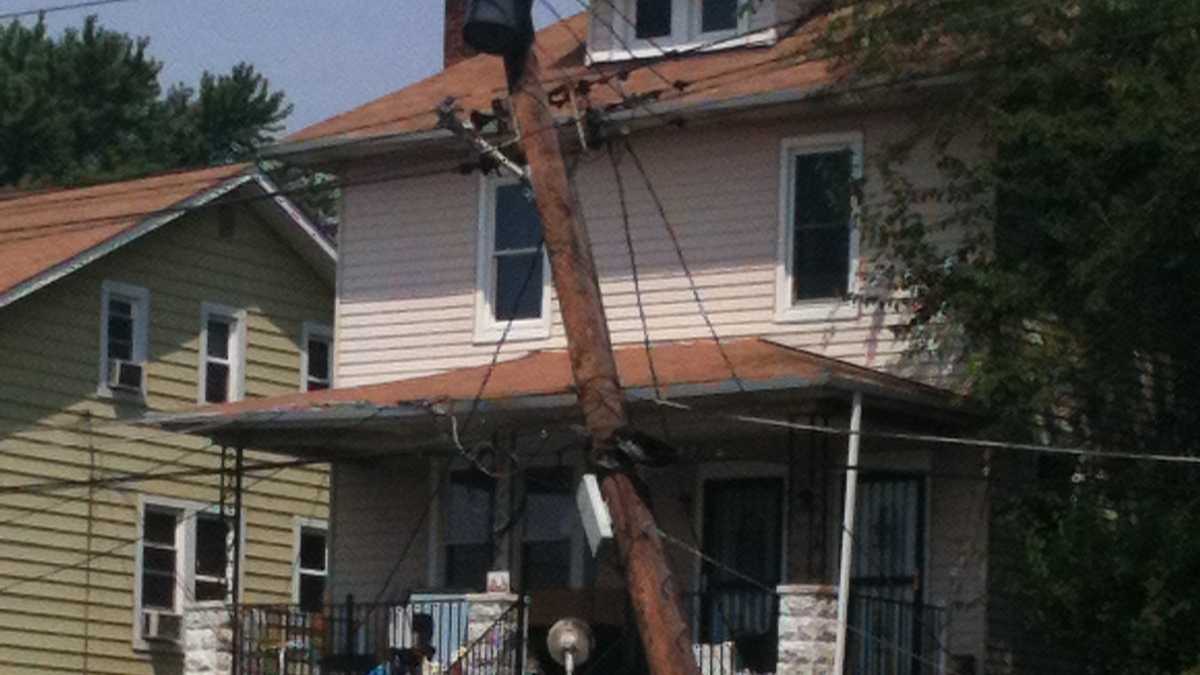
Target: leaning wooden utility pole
[{"x": 665, "y": 634}]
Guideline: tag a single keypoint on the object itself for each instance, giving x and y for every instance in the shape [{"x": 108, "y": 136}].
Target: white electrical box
[{"x": 597, "y": 523}]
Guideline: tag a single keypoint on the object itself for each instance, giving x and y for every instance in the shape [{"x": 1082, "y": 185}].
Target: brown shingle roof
[
  {"x": 43, "y": 232},
  {"x": 474, "y": 82},
  {"x": 680, "y": 367}
]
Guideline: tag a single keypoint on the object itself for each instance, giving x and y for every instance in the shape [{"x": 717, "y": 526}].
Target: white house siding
[{"x": 406, "y": 298}]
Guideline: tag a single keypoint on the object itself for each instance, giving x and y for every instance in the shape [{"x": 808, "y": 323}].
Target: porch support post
[
  {"x": 843, "y": 590},
  {"x": 239, "y": 468}
]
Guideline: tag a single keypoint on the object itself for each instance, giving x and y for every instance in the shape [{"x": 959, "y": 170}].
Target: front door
[
  {"x": 886, "y": 618},
  {"x": 743, "y": 534}
]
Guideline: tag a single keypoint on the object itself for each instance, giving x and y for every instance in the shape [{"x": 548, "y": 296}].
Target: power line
[
  {"x": 944, "y": 440},
  {"x": 670, "y": 228},
  {"x": 633, "y": 268},
  {"x": 112, "y": 550},
  {"x": 59, "y": 8}
]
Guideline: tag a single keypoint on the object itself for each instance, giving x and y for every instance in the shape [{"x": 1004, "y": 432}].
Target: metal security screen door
[
  {"x": 888, "y": 622},
  {"x": 743, "y": 530}
]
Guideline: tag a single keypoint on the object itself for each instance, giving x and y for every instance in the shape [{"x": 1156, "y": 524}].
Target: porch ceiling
[{"x": 408, "y": 415}]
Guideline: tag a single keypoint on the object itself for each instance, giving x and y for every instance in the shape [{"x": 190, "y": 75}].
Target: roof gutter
[
  {"x": 340, "y": 147},
  {"x": 343, "y": 147}
]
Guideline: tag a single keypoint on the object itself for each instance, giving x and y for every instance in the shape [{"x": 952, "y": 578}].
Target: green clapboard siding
[{"x": 67, "y": 557}]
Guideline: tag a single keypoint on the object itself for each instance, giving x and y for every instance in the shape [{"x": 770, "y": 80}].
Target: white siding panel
[{"x": 406, "y": 304}]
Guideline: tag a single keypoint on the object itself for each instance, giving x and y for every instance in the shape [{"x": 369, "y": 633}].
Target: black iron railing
[
  {"x": 349, "y": 637},
  {"x": 735, "y": 630},
  {"x": 499, "y": 649},
  {"x": 894, "y": 637}
]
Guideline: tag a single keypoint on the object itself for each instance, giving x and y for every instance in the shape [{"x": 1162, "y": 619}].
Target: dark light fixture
[{"x": 502, "y": 27}]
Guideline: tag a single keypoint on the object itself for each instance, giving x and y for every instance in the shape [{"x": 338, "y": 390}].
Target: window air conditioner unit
[
  {"x": 125, "y": 375},
  {"x": 162, "y": 626}
]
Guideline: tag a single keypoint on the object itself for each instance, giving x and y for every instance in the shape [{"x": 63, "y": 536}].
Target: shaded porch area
[{"x": 438, "y": 481}]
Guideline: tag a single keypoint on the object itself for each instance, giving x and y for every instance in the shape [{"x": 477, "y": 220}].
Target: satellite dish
[{"x": 570, "y": 643}]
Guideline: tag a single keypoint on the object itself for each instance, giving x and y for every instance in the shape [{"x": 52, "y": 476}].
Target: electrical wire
[
  {"x": 59, "y": 8},
  {"x": 674, "y": 235}
]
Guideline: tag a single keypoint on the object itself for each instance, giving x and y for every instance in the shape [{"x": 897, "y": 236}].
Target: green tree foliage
[
  {"x": 1069, "y": 148},
  {"x": 87, "y": 106}
]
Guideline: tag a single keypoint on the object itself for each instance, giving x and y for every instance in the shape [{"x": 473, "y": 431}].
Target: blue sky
[{"x": 328, "y": 55}]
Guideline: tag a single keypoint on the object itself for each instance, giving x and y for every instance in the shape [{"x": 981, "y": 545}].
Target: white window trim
[
  {"x": 820, "y": 309},
  {"x": 141, "y": 329},
  {"x": 313, "y": 329},
  {"x": 738, "y": 470},
  {"x": 685, "y": 33},
  {"x": 237, "y": 356},
  {"x": 299, "y": 524},
  {"x": 185, "y": 561},
  {"x": 487, "y": 329}
]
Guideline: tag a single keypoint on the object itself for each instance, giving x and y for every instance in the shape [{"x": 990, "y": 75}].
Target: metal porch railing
[
  {"x": 497, "y": 650},
  {"x": 345, "y": 638},
  {"x": 735, "y": 630},
  {"x": 894, "y": 637}
]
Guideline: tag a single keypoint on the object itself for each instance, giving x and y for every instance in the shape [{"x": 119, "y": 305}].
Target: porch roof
[{"x": 405, "y": 412}]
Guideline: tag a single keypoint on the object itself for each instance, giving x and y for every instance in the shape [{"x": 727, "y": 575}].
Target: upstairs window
[
  {"x": 468, "y": 531},
  {"x": 646, "y": 28},
  {"x": 312, "y": 566},
  {"x": 317, "y": 362},
  {"x": 124, "y": 338},
  {"x": 717, "y": 16},
  {"x": 222, "y": 346},
  {"x": 512, "y": 271},
  {"x": 652, "y": 19},
  {"x": 819, "y": 236}
]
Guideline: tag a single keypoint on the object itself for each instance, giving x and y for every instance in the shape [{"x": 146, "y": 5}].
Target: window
[
  {"x": 222, "y": 344},
  {"x": 161, "y": 546},
  {"x": 550, "y": 517},
  {"x": 646, "y": 28},
  {"x": 124, "y": 338},
  {"x": 512, "y": 272},
  {"x": 312, "y": 565},
  {"x": 468, "y": 531},
  {"x": 213, "y": 544},
  {"x": 316, "y": 363},
  {"x": 183, "y": 556},
  {"x": 818, "y": 232}
]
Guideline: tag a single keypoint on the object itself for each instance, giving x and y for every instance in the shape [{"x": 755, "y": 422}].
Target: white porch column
[{"x": 843, "y": 591}]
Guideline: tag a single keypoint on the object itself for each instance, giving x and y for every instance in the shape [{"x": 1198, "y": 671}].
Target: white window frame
[
  {"x": 139, "y": 299},
  {"x": 686, "y": 16},
  {"x": 487, "y": 328},
  {"x": 310, "y": 330},
  {"x": 299, "y": 525},
  {"x": 237, "y": 350},
  {"x": 818, "y": 309},
  {"x": 185, "y": 561}
]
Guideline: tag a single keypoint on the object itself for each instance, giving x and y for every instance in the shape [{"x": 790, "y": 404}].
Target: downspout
[
  {"x": 852, "y": 447},
  {"x": 237, "y": 560}
]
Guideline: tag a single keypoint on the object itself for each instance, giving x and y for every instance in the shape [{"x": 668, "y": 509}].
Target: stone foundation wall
[
  {"x": 207, "y": 640},
  {"x": 807, "y": 630}
]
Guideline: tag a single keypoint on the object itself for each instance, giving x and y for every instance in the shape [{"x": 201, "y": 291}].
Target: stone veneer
[
  {"x": 485, "y": 609},
  {"x": 807, "y": 629},
  {"x": 207, "y": 640}
]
